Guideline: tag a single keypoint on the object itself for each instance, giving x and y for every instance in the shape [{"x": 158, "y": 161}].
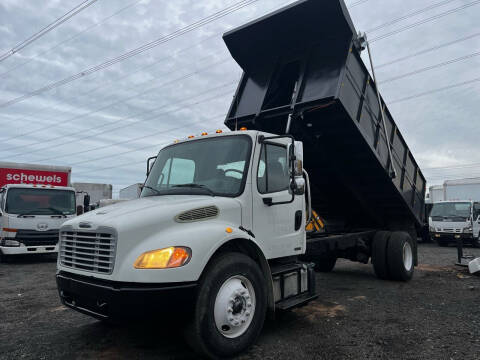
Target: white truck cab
[
  {"x": 455, "y": 219},
  {"x": 205, "y": 224},
  {"x": 30, "y": 217}
]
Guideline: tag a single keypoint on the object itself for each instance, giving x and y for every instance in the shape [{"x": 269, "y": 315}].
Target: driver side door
[{"x": 280, "y": 228}]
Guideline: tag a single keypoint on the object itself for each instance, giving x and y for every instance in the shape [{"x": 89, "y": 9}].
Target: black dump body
[{"x": 303, "y": 60}]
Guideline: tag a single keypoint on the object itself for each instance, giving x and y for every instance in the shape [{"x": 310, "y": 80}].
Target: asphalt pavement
[{"x": 357, "y": 316}]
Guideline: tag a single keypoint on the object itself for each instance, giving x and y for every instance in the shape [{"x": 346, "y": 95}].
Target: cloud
[{"x": 162, "y": 90}]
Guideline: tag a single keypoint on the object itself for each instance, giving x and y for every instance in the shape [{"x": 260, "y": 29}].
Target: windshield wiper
[
  {"x": 195, "y": 186},
  {"x": 158, "y": 192}
]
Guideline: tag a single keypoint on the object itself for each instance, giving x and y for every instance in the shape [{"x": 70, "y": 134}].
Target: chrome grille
[
  {"x": 89, "y": 251},
  {"x": 207, "y": 212}
]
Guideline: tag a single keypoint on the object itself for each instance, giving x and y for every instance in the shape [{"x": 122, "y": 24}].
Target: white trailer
[
  {"x": 436, "y": 194},
  {"x": 96, "y": 192},
  {"x": 35, "y": 200},
  {"x": 462, "y": 189}
]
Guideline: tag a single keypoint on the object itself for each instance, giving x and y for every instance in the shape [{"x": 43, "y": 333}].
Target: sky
[{"x": 106, "y": 124}]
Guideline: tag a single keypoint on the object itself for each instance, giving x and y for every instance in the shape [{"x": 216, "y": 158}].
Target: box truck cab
[
  {"x": 30, "y": 217},
  {"x": 453, "y": 220}
]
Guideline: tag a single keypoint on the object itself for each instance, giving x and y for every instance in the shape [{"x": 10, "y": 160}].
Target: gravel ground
[{"x": 435, "y": 316}]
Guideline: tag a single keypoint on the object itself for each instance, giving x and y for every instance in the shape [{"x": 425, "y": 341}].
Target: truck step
[
  {"x": 295, "y": 301},
  {"x": 293, "y": 284}
]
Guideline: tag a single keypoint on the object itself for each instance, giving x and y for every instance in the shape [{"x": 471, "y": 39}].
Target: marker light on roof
[
  {"x": 191, "y": 136},
  {"x": 219, "y": 131},
  {"x": 243, "y": 128},
  {"x": 204, "y": 133}
]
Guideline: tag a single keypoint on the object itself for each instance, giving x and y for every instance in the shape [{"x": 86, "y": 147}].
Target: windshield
[
  {"x": 36, "y": 201},
  {"x": 215, "y": 166},
  {"x": 451, "y": 210}
]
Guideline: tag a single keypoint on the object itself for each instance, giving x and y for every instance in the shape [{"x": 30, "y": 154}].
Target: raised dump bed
[{"x": 303, "y": 75}]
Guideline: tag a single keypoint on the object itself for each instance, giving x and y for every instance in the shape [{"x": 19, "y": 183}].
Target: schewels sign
[{"x": 37, "y": 177}]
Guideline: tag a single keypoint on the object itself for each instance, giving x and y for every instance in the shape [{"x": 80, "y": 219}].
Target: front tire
[{"x": 231, "y": 307}]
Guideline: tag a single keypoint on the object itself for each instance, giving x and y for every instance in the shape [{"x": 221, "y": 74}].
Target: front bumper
[
  {"x": 118, "y": 300},
  {"x": 452, "y": 237},
  {"x": 19, "y": 250}
]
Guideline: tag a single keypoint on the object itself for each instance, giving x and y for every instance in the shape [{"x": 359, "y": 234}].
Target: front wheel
[{"x": 231, "y": 307}]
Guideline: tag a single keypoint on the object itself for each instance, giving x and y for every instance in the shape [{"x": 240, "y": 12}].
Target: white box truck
[
  {"x": 456, "y": 215},
  {"x": 35, "y": 200},
  {"x": 218, "y": 238}
]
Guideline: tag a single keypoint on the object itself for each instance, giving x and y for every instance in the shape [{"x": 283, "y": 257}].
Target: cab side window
[{"x": 272, "y": 174}]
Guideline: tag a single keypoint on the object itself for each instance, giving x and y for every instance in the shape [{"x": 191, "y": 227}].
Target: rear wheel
[
  {"x": 379, "y": 254},
  {"x": 231, "y": 307},
  {"x": 400, "y": 256}
]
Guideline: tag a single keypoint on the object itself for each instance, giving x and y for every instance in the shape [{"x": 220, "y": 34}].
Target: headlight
[
  {"x": 9, "y": 242},
  {"x": 468, "y": 229},
  {"x": 171, "y": 257}
]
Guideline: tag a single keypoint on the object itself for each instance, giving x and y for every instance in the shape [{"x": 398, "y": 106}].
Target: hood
[{"x": 150, "y": 211}]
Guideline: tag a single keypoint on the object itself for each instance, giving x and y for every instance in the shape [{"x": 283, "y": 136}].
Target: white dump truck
[
  {"x": 35, "y": 200},
  {"x": 230, "y": 226}
]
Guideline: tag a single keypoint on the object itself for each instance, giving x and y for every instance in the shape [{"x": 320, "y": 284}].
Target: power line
[
  {"x": 434, "y": 91},
  {"x": 143, "y": 137},
  {"x": 407, "y": 16},
  {"x": 121, "y": 101},
  {"x": 139, "y": 120},
  {"x": 90, "y": 91},
  {"x": 436, "y": 66},
  {"x": 357, "y": 3},
  {"x": 189, "y": 28},
  {"x": 424, "y": 21},
  {"x": 453, "y": 167},
  {"x": 85, "y": 4},
  {"x": 425, "y": 51},
  {"x": 78, "y": 34}
]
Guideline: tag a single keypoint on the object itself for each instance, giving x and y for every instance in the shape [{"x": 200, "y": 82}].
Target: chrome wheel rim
[
  {"x": 407, "y": 256},
  {"x": 234, "y": 306}
]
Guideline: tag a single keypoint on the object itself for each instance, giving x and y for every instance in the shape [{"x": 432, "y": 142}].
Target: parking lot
[{"x": 436, "y": 315}]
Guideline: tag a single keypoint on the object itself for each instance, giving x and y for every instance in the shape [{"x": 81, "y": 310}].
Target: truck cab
[
  {"x": 30, "y": 217},
  {"x": 452, "y": 220}
]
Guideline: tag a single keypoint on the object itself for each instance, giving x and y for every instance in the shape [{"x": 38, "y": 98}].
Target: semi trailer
[
  {"x": 231, "y": 226},
  {"x": 35, "y": 200}
]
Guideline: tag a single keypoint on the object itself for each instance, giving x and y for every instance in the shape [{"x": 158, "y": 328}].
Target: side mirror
[
  {"x": 299, "y": 186},
  {"x": 149, "y": 167},
  {"x": 86, "y": 201},
  {"x": 79, "y": 210}
]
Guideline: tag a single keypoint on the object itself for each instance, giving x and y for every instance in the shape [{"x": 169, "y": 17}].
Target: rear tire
[
  {"x": 230, "y": 309},
  {"x": 379, "y": 254},
  {"x": 400, "y": 256},
  {"x": 325, "y": 264}
]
